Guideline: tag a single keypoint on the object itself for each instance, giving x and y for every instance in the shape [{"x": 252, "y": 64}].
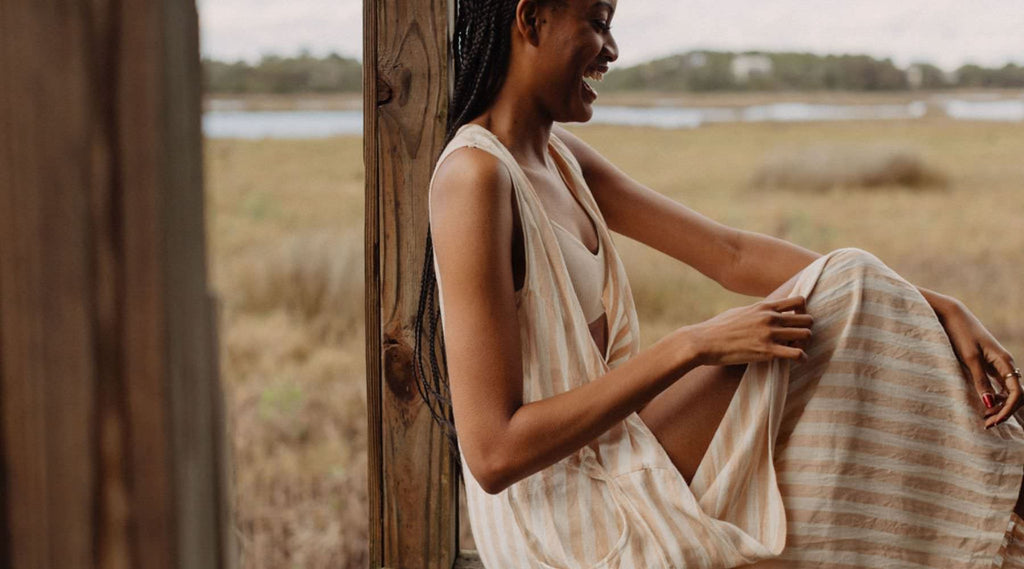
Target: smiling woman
[{"x": 829, "y": 424}]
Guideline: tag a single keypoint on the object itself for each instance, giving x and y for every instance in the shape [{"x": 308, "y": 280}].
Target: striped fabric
[{"x": 871, "y": 454}]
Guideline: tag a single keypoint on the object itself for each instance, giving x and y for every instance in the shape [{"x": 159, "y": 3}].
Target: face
[{"x": 574, "y": 46}]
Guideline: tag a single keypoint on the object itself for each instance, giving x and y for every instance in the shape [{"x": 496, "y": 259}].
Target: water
[
  {"x": 1008, "y": 110},
  {"x": 281, "y": 124},
  {"x": 692, "y": 117},
  {"x": 228, "y": 122}
]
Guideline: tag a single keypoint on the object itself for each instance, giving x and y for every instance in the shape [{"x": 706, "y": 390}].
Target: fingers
[
  {"x": 1010, "y": 405},
  {"x": 795, "y": 320},
  {"x": 797, "y": 303},
  {"x": 1003, "y": 365},
  {"x": 789, "y": 353},
  {"x": 793, "y": 329},
  {"x": 981, "y": 382},
  {"x": 791, "y": 334}
]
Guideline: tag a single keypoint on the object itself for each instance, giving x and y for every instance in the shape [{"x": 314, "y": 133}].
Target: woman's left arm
[
  {"x": 756, "y": 264},
  {"x": 981, "y": 354}
]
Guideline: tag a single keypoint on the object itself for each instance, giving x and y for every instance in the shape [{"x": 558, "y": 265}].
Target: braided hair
[{"x": 481, "y": 44}]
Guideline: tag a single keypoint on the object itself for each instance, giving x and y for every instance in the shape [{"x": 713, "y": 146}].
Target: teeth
[{"x": 594, "y": 74}]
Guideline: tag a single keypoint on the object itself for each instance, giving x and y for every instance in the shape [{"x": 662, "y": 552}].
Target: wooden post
[
  {"x": 412, "y": 484},
  {"x": 111, "y": 441}
]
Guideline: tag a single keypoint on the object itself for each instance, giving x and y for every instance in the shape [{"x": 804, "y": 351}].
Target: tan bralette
[{"x": 586, "y": 271}]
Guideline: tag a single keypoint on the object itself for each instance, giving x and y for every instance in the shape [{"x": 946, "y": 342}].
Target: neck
[{"x": 519, "y": 121}]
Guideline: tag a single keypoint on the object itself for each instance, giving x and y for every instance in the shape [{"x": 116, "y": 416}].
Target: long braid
[{"x": 481, "y": 44}]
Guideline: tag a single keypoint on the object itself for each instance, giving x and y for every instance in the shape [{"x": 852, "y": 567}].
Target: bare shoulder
[
  {"x": 468, "y": 180},
  {"x": 471, "y": 220}
]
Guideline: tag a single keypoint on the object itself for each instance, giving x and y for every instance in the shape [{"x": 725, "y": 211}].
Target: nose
[{"x": 611, "y": 49}]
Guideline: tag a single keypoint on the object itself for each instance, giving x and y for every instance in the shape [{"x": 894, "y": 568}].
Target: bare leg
[{"x": 685, "y": 417}]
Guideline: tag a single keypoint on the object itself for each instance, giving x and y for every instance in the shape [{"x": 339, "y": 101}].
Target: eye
[{"x": 602, "y": 26}]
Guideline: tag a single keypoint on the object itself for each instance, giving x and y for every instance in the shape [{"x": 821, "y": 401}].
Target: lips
[{"x": 594, "y": 73}]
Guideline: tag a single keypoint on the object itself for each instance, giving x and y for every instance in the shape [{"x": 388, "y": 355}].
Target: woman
[{"x": 829, "y": 425}]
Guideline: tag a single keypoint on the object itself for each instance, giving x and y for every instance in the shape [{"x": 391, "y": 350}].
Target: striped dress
[{"x": 871, "y": 454}]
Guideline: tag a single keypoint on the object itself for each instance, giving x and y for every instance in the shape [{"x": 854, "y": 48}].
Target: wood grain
[
  {"x": 110, "y": 402},
  {"x": 413, "y": 492}
]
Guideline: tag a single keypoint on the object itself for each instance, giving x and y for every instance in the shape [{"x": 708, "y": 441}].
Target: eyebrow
[{"x": 604, "y": 3}]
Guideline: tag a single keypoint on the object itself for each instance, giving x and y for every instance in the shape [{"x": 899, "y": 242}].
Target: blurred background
[{"x": 894, "y": 127}]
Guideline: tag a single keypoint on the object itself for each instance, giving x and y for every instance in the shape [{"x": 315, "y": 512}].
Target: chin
[
  {"x": 586, "y": 116},
  {"x": 582, "y": 112}
]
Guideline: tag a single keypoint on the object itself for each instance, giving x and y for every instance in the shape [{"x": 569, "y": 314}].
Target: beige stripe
[
  {"x": 830, "y": 487},
  {"x": 862, "y": 554},
  {"x": 925, "y": 432},
  {"x": 895, "y": 455},
  {"x": 828, "y": 395},
  {"x": 950, "y": 547}
]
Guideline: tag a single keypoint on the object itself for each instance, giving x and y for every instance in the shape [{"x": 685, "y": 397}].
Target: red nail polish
[{"x": 989, "y": 400}]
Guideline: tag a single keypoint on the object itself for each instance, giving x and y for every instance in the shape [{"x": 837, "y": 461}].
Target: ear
[{"x": 528, "y": 20}]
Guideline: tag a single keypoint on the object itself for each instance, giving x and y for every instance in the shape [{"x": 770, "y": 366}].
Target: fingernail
[{"x": 989, "y": 400}]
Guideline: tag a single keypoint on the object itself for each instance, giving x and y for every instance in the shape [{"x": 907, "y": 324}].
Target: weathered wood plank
[
  {"x": 4, "y": 534},
  {"x": 190, "y": 349},
  {"x": 110, "y": 406},
  {"x": 414, "y": 508},
  {"x": 48, "y": 374}
]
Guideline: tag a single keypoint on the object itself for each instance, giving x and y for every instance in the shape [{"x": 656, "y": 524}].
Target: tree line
[
  {"x": 303, "y": 73},
  {"x": 789, "y": 71},
  {"x": 692, "y": 71}
]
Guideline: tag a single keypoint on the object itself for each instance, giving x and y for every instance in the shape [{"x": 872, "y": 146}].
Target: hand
[
  {"x": 985, "y": 358},
  {"x": 761, "y": 331}
]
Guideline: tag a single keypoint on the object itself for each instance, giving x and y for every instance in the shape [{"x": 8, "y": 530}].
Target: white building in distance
[{"x": 746, "y": 65}]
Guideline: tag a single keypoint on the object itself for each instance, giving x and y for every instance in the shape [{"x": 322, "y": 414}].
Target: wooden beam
[
  {"x": 413, "y": 490},
  {"x": 111, "y": 409}
]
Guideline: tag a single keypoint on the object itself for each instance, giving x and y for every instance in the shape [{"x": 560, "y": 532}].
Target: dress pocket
[{"x": 541, "y": 503}]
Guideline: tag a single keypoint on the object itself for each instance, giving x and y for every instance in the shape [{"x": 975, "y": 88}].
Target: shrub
[
  {"x": 317, "y": 277},
  {"x": 827, "y": 166}
]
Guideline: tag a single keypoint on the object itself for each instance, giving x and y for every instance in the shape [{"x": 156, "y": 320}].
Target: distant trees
[
  {"x": 274, "y": 74},
  {"x": 719, "y": 71},
  {"x": 692, "y": 71},
  {"x": 1009, "y": 75}
]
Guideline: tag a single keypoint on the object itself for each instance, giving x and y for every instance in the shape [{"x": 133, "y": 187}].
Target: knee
[
  {"x": 854, "y": 255},
  {"x": 853, "y": 267},
  {"x": 858, "y": 262}
]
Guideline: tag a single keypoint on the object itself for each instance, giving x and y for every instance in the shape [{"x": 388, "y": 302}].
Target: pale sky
[{"x": 947, "y": 33}]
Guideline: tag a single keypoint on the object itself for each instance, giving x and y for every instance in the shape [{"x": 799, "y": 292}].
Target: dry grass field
[{"x": 285, "y": 237}]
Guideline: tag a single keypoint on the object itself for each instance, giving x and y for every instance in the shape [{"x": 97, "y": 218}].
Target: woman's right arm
[{"x": 503, "y": 439}]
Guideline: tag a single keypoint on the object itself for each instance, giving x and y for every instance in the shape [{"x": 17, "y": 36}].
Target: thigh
[{"x": 685, "y": 416}]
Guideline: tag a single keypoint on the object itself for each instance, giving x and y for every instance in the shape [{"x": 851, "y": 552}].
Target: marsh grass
[
  {"x": 315, "y": 276},
  {"x": 286, "y": 248},
  {"x": 822, "y": 167}
]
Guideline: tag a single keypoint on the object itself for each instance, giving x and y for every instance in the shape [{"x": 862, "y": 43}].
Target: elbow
[
  {"x": 494, "y": 456},
  {"x": 493, "y": 475},
  {"x": 495, "y": 459},
  {"x": 492, "y": 487}
]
